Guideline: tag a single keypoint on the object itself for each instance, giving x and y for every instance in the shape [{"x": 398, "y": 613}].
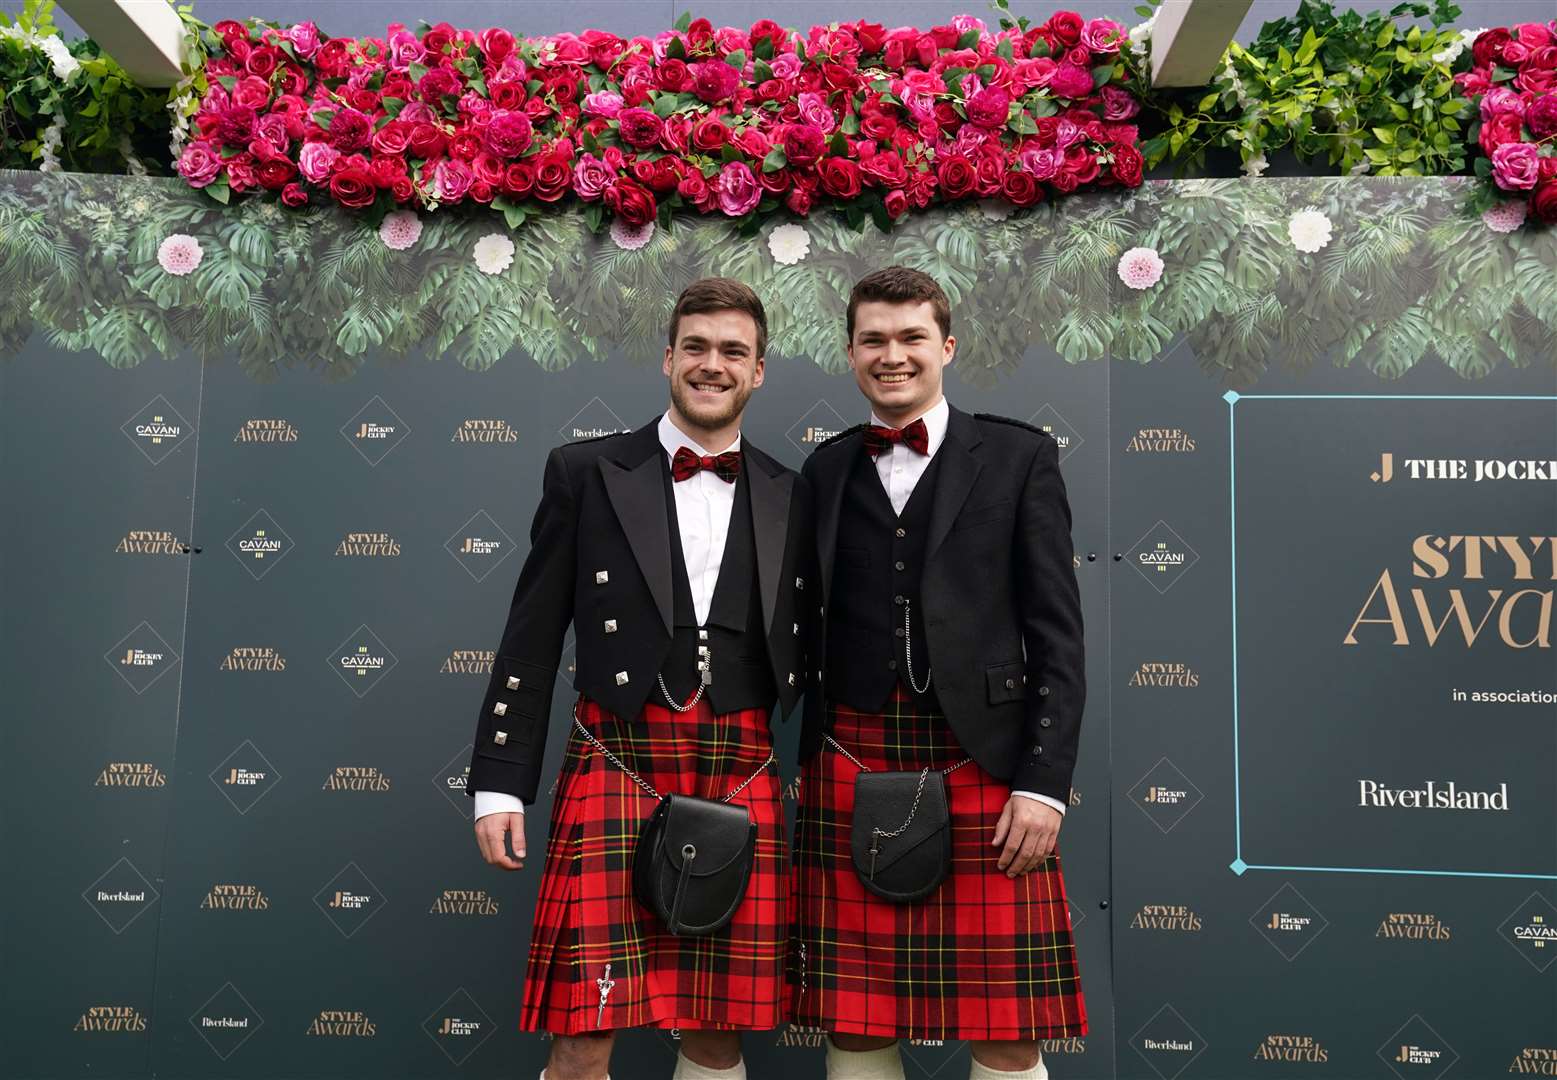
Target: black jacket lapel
[
  {"x": 770, "y": 523},
  {"x": 829, "y": 507},
  {"x": 636, "y": 486},
  {"x": 959, "y": 470}
]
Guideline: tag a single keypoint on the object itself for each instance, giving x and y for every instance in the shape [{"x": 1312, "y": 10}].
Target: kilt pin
[
  {"x": 949, "y": 628},
  {"x": 598, "y": 959}
]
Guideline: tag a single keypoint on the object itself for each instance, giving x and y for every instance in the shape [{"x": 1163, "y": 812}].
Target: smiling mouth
[
  {"x": 894, "y": 378},
  {"x": 709, "y": 388}
]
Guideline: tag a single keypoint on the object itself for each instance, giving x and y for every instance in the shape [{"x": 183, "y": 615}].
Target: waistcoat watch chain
[
  {"x": 705, "y": 676},
  {"x": 908, "y": 656}
]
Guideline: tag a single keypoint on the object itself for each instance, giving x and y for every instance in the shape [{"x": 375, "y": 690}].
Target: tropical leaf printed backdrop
[{"x": 1408, "y": 276}]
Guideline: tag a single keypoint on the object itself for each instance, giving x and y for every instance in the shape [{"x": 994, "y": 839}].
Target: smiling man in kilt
[
  {"x": 947, "y": 639},
  {"x": 677, "y": 553}
]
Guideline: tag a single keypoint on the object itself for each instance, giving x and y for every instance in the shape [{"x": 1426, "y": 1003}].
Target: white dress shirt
[
  {"x": 900, "y": 469},
  {"x": 703, "y": 505}
]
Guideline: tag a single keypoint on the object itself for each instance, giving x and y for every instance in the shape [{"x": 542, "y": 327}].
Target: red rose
[
  {"x": 275, "y": 174},
  {"x": 714, "y": 81},
  {"x": 878, "y": 119},
  {"x": 873, "y": 37},
  {"x": 362, "y": 98},
  {"x": 403, "y": 190},
  {"x": 774, "y": 183},
  {"x": 292, "y": 81},
  {"x": 956, "y": 175},
  {"x": 1064, "y": 182},
  {"x": 1020, "y": 189},
  {"x": 671, "y": 74},
  {"x": 1487, "y": 49},
  {"x": 896, "y": 203},
  {"x": 495, "y": 44},
  {"x": 799, "y": 200},
  {"x": 990, "y": 174},
  {"x": 693, "y": 188},
  {"x": 1543, "y": 201},
  {"x": 1127, "y": 165},
  {"x": 263, "y": 61},
  {"x": 604, "y": 47},
  {"x": 921, "y": 188},
  {"x": 436, "y": 39},
  {"x": 507, "y": 94},
  {"x": 481, "y": 191},
  {"x": 700, "y": 35},
  {"x": 438, "y": 82},
  {"x": 384, "y": 171},
  {"x": 464, "y": 146},
  {"x": 1502, "y": 128},
  {"x": 709, "y": 134},
  {"x": 632, "y": 202},
  {"x": 353, "y": 187},
  {"x": 839, "y": 177},
  {"x": 884, "y": 169},
  {"x": 333, "y": 59},
  {"x": 519, "y": 178},
  {"x": 294, "y": 195},
  {"x": 552, "y": 176},
  {"x": 1066, "y": 27},
  {"x": 393, "y": 138},
  {"x": 804, "y": 144},
  {"x": 1081, "y": 163},
  {"x": 350, "y": 130},
  {"x": 427, "y": 141}
]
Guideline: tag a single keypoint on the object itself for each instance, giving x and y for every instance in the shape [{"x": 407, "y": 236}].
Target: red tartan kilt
[
  {"x": 586, "y": 916},
  {"x": 983, "y": 957}
]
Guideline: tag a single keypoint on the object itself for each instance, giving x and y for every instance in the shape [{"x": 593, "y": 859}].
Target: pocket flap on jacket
[{"x": 1007, "y": 682}]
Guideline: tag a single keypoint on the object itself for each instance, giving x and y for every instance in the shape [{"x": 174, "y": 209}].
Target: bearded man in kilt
[
  {"x": 678, "y": 554},
  {"x": 946, "y": 636}
]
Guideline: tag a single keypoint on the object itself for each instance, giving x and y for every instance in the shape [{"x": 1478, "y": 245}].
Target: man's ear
[
  {"x": 758, "y": 371},
  {"x": 949, "y": 349},
  {"x": 665, "y": 367}
]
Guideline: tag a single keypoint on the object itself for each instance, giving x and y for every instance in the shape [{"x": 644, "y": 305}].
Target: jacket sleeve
[
  {"x": 511, "y": 728},
  {"x": 1049, "y": 600}
]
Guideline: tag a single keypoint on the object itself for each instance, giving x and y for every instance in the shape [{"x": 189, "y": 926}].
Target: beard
[{"x": 709, "y": 416}]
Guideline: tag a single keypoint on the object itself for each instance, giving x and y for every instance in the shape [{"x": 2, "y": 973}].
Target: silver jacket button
[
  {"x": 513, "y": 682},
  {"x": 501, "y": 738},
  {"x": 610, "y": 626},
  {"x": 791, "y": 678},
  {"x": 621, "y": 678},
  {"x": 601, "y": 577},
  {"x": 500, "y": 709}
]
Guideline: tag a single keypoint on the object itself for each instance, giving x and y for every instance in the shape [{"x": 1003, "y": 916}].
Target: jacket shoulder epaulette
[
  {"x": 844, "y": 434},
  {"x": 1014, "y": 423}
]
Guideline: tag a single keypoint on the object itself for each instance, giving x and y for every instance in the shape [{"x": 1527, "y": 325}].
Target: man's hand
[
  {"x": 1028, "y": 830},
  {"x": 490, "y": 831}
]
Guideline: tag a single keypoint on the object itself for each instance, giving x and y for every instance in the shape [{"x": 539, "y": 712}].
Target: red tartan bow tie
[
  {"x": 686, "y": 464},
  {"x": 878, "y": 439}
]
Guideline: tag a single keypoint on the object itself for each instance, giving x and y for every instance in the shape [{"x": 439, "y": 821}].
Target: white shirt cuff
[
  {"x": 497, "y": 802},
  {"x": 1046, "y": 800}
]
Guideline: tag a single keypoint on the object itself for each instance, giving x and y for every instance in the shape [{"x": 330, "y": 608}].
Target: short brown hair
[
  {"x": 720, "y": 294},
  {"x": 900, "y": 285}
]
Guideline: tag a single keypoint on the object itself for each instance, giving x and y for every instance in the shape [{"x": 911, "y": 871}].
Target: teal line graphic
[{"x": 1232, "y": 397}]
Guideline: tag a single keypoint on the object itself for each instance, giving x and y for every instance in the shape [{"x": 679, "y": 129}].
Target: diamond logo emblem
[
  {"x": 362, "y": 660},
  {"x": 156, "y": 430},
  {"x": 1065, "y": 434},
  {"x": 591, "y": 422},
  {"x": 1162, "y": 557},
  {"x": 244, "y": 777},
  {"x": 1416, "y": 1050},
  {"x": 479, "y": 545},
  {"x": 120, "y": 896},
  {"x": 1168, "y": 1043},
  {"x": 226, "y": 1021},
  {"x": 259, "y": 544},
  {"x": 349, "y": 900},
  {"x": 1289, "y": 922},
  {"x": 1165, "y": 795},
  {"x": 459, "y": 1026},
  {"x": 818, "y": 424},
  {"x": 141, "y": 657},
  {"x": 375, "y": 430}
]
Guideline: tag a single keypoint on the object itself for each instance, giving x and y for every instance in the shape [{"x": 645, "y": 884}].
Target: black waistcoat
[
  {"x": 880, "y": 561},
  {"x": 737, "y": 640}
]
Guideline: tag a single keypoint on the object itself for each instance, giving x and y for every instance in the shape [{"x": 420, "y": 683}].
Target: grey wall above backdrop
[{"x": 263, "y": 520}]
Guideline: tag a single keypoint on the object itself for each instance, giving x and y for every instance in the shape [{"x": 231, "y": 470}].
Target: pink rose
[
  {"x": 1515, "y": 53},
  {"x": 591, "y": 177},
  {"x": 1534, "y": 35},
  {"x": 1119, "y": 104},
  {"x": 404, "y": 50},
  {"x": 640, "y": 127},
  {"x": 815, "y": 111},
  {"x": 1043, "y": 164},
  {"x": 304, "y": 38},
  {"x": 989, "y": 108},
  {"x": 451, "y": 179},
  {"x": 714, "y": 81},
  {"x": 198, "y": 165},
  {"x": 738, "y": 189},
  {"x": 1102, "y": 36},
  {"x": 496, "y": 44},
  {"x": 251, "y": 91},
  {"x": 316, "y": 161},
  {"x": 1516, "y": 166},
  {"x": 785, "y": 66},
  {"x": 1072, "y": 82},
  {"x": 1500, "y": 99},
  {"x": 603, "y": 103},
  {"x": 508, "y": 133}
]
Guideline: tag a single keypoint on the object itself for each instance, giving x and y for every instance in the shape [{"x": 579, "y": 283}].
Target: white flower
[
  {"x": 1141, "y": 34},
  {"x": 494, "y": 253},
  {"x": 995, "y": 209},
  {"x": 400, "y": 229},
  {"x": 631, "y": 237},
  {"x": 1256, "y": 165},
  {"x": 65, "y": 65},
  {"x": 1309, "y": 230},
  {"x": 789, "y": 244},
  {"x": 1140, "y": 267},
  {"x": 1505, "y": 217},
  {"x": 179, "y": 254}
]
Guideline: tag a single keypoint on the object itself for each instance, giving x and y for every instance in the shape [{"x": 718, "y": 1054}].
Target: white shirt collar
[
  {"x": 935, "y": 422},
  {"x": 673, "y": 438}
]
